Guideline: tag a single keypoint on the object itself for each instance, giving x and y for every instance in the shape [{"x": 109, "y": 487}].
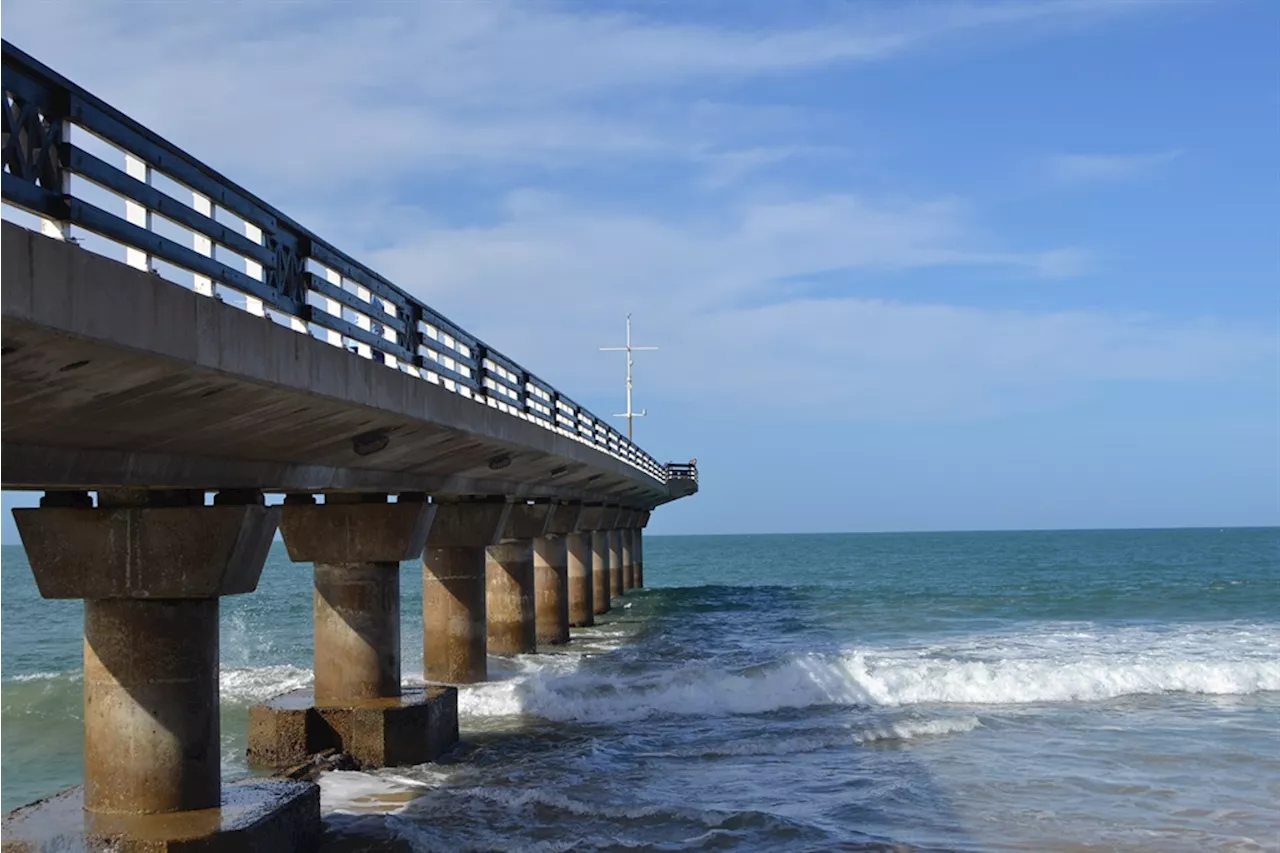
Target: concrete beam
[
  {"x": 172, "y": 388},
  {"x": 188, "y": 552},
  {"x": 564, "y": 519},
  {"x": 356, "y": 532},
  {"x": 527, "y": 521},
  {"x": 469, "y": 524}
]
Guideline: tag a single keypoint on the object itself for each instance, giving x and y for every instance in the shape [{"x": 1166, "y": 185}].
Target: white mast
[{"x": 628, "y": 349}]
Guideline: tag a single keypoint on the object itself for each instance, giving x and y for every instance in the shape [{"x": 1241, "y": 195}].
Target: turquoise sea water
[{"x": 1070, "y": 691}]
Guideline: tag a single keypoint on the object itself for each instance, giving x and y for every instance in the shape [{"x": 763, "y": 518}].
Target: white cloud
[
  {"x": 1083, "y": 168},
  {"x": 284, "y": 96},
  {"x": 330, "y": 111},
  {"x": 550, "y": 283}
]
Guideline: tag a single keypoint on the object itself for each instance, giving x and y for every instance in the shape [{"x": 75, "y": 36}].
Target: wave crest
[{"x": 860, "y": 678}]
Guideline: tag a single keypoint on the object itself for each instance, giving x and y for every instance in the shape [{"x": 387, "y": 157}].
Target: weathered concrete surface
[
  {"x": 453, "y": 614},
  {"x": 469, "y": 524},
  {"x": 509, "y": 598},
  {"x": 364, "y": 532},
  {"x": 565, "y": 519},
  {"x": 414, "y": 727},
  {"x": 151, "y": 727},
  {"x": 113, "y": 376},
  {"x": 275, "y": 815},
  {"x": 147, "y": 552},
  {"x": 600, "y": 579},
  {"x": 581, "y": 588},
  {"x": 628, "y": 562},
  {"x": 151, "y": 565},
  {"x": 637, "y": 556},
  {"x": 615, "y": 563},
  {"x": 551, "y": 590},
  {"x": 357, "y": 631},
  {"x": 453, "y": 589},
  {"x": 527, "y": 521}
]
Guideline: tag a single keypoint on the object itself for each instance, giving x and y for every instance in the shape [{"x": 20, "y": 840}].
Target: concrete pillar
[
  {"x": 357, "y": 706},
  {"x": 509, "y": 598},
  {"x": 551, "y": 590},
  {"x": 615, "y": 563},
  {"x": 454, "y": 635},
  {"x": 637, "y": 554},
  {"x": 357, "y": 631},
  {"x": 453, "y": 615},
  {"x": 151, "y": 724},
  {"x": 581, "y": 588},
  {"x": 151, "y": 566},
  {"x": 600, "y": 571},
  {"x": 628, "y": 561}
]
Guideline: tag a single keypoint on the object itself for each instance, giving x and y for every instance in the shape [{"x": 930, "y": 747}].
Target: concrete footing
[
  {"x": 415, "y": 727},
  {"x": 578, "y": 555},
  {"x": 276, "y": 815}
]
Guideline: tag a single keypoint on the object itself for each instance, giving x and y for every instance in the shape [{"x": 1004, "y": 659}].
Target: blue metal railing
[{"x": 238, "y": 248}]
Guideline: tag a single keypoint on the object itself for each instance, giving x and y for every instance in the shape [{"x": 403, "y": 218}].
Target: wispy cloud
[
  {"x": 453, "y": 146},
  {"x": 722, "y": 290},
  {"x": 373, "y": 93},
  {"x": 1087, "y": 168}
]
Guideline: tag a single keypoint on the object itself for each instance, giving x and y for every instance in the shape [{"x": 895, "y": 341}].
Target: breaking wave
[{"x": 1057, "y": 668}]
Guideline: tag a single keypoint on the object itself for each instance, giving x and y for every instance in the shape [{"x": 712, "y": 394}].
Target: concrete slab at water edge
[{"x": 268, "y": 815}]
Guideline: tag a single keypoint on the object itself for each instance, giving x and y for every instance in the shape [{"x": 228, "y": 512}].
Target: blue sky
[{"x": 911, "y": 266}]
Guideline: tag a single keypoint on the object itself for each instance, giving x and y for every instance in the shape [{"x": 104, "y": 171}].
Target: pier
[{"x": 175, "y": 349}]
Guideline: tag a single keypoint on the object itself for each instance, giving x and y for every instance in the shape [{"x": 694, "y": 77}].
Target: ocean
[{"x": 1046, "y": 691}]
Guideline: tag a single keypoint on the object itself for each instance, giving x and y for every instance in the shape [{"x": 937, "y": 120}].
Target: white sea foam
[
  {"x": 44, "y": 676},
  {"x": 354, "y": 791},
  {"x": 1052, "y": 666},
  {"x": 256, "y": 684}
]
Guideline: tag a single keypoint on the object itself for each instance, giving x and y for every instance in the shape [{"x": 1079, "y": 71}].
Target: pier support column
[
  {"x": 509, "y": 598},
  {"x": 581, "y": 588},
  {"x": 357, "y": 706},
  {"x": 551, "y": 575},
  {"x": 628, "y": 564},
  {"x": 151, "y": 566},
  {"x": 637, "y": 547},
  {"x": 510, "y": 581},
  {"x": 599, "y": 520},
  {"x": 551, "y": 590},
  {"x": 454, "y": 644},
  {"x": 615, "y": 563},
  {"x": 600, "y": 597}
]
